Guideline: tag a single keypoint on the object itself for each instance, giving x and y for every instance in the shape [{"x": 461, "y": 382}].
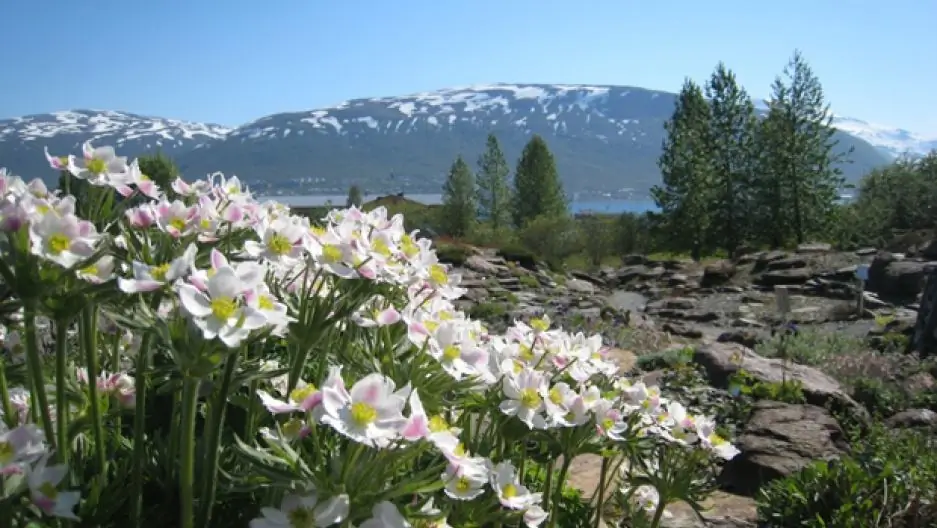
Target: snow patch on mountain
[
  {"x": 109, "y": 127},
  {"x": 894, "y": 141}
]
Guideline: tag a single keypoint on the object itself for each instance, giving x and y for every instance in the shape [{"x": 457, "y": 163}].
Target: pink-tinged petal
[
  {"x": 370, "y": 389},
  {"x": 416, "y": 428},
  {"x": 233, "y": 213},
  {"x": 124, "y": 190},
  {"x": 312, "y": 401},
  {"x": 274, "y": 405},
  {"x": 137, "y": 285},
  {"x": 218, "y": 259},
  {"x": 388, "y": 317},
  {"x": 333, "y": 401}
]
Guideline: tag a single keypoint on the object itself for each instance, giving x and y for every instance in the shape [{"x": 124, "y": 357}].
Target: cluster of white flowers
[{"x": 546, "y": 378}]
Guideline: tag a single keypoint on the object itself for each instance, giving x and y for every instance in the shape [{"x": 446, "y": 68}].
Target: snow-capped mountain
[
  {"x": 893, "y": 141},
  {"x": 605, "y": 138},
  {"x": 22, "y": 139}
]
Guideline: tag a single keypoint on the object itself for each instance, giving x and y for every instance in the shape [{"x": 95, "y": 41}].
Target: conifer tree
[
  {"x": 494, "y": 192},
  {"x": 162, "y": 170},
  {"x": 685, "y": 194},
  {"x": 355, "y": 197},
  {"x": 458, "y": 212},
  {"x": 732, "y": 130},
  {"x": 799, "y": 180},
  {"x": 538, "y": 190}
]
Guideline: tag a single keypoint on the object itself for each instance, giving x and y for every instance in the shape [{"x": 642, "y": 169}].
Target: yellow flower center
[
  {"x": 539, "y": 325},
  {"x": 177, "y": 223},
  {"x": 63, "y": 160},
  {"x": 58, "y": 243},
  {"x": 90, "y": 270},
  {"x": 301, "y": 518},
  {"x": 205, "y": 224},
  {"x": 331, "y": 254},
  {"x": 608, "y": 423},
  {"x": 279, "y": 245},
  {"x": 6, "y": 453},
  {"x": 462, "y": 485},
  {"x": 159, "y": 272},
  {"x": 409, "y": 248},
  {"x": 431, "y": 326},
  {"x": 380, "y": 247},
  {"x": 48, "y": 489},
  {"x": 526, "y": 353},
  {"x": 555, "y": 396},
  {"x": 459, "y": 450},
  {"x": 265, "y": 302},
  {"x": 293, "y": 427},
  {"x": 438, "y": 424},
  {"x": 43, "y": 209},
  {"x": 509, "y": 491},
  {"x": 96, "y": 166},
  {"x": 223, "y": 308},
  {"x": 451, "y": 353},
  {"x": 437, "y": 274},
  {"x": 530, "y": 398},
  {"x": 717, "y": 440},
  {"x": 300, "y": 394},
  {"x": 363, "y": 414},
  {"x": 144, "y": 177},
  {"x": 317, "y": 231}
]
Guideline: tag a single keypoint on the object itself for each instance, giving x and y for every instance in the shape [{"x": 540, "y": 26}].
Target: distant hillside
[{"x": 606, "y": 139}]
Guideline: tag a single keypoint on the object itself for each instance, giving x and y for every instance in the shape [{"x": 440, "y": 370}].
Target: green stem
[
  {"x": 34, "y": 363},
  {"x": 212, "y": 451},
  {"x": 187, "y": 471},
  {"x": 601, "y": 493},
  {"x": 8, "y": 417},
  {"x": 560, "y": 484},
  {"x": 89, "y": 343},
  {"x": 251, "y": 412},
  {"x": 141, "y": 374},
  {"x": 655, "y": 522},
  {"x": 548, "y": 485},
  {"x": 61, "y": 402}
]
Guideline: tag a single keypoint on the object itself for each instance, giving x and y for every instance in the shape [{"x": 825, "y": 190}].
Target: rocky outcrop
[{"x": 781, "y": 439}]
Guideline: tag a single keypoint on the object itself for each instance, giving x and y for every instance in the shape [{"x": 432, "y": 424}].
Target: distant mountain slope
[
  {"x": 22, "y": 139},
  {"x": 606, "y": 138}
]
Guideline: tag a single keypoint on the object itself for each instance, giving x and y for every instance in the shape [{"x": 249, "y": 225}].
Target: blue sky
[{"x": 233, "y": 61}]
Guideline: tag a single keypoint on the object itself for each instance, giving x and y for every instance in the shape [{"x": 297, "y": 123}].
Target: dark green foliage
[
  {"x": 598, "y": 235},
  {"x": 355, "y": 197},
  {"x": 458, "y": 209},
  {"x": 451, "y": 254},
  {"x": 685, "y": 195},
  {"x": 798, "y": 167},
  {"x": 732, "y": 128},
  {"x": 494, "y": 192},
  {"x": 538, "y": 190},
  {"x": 521, "y": 256},
  {"x": 574, "y": 511},
  {"x": 888, "y": 480},
  {"x": 552, "y": 237},
  {"x": 161, "y": 169}
]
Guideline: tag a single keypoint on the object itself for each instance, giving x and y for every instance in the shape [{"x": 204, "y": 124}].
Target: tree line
[{"x": 731, "y": 180}]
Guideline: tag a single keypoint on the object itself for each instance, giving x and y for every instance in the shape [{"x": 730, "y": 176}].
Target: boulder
[
  {"x": 785, "y": 277},
  {"x": 781, "y": 439},
  {"x": 913, "y": 418},
  {"x": 721, "y": 360},
  {"x": 717, "y": 274}
]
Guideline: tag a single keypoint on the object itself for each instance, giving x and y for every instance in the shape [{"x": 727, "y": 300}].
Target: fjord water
[{"x": 598, "y": 205}]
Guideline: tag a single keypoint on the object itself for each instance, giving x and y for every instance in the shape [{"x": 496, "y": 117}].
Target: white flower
[
  {"x": 222, "y": 313},
  {"x": 304, "y": 510},
  {"x": 507, "y": 484},
  {"x": 385, "y": 515},
  {"x": 65, "y": 240},
  {"x": 465, "y": 481},
  {"x": 150, "y": 278},
  {"x": 19, "y": 446},
  {"x": 524, "y": 395},
  {"x": 371, "y": 413},
  {"x": 43, "y": 483}
]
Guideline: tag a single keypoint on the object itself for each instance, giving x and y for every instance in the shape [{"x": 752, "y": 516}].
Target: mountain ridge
[{"x": 606, "y": 137}]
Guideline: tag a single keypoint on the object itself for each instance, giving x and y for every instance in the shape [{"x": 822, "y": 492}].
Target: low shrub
[
  {"x": 518, "y": 255},
  {"x": 889, "y": 480}
]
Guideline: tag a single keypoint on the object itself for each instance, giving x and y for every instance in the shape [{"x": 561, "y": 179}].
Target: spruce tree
[
  {"x": 538, "y": 190},
  {"x": 162, "y": 170},
  {"x": 458, "y": 208},
  {"x": 732, "y": 130},
  {"x": 799, "y": 163},
  {"x": 494, "y": 192},
  {"x": 355, "y": 197},
  {"x": 685, "y": 194}
]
